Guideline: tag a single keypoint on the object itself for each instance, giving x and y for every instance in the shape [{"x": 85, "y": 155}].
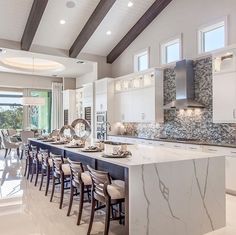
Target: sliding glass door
[{"x": 40, "y": 116}]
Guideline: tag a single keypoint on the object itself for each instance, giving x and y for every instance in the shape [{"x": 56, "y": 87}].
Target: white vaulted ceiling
[
  {"x": 119, "y": 21},
  {"x": 51, "y": 34},
  {"x": 13, "y": 18}
]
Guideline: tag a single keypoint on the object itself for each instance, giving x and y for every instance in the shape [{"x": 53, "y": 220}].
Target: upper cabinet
[
  {"x": 139, "y": 97},
  {"x": 224, "y": 87},
  {"x": 104, "y": 97}
]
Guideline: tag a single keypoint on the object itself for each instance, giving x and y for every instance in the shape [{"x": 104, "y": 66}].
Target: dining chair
[
  {"x": 8, "y": 145},
  {"x": 25, "y": 135},
  {"x": 108, "y": 192}
]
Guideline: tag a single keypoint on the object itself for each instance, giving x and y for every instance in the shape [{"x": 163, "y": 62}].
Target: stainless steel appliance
[
  {"x": 185, "y": 97},
  {"x": 101, "y": 117}
]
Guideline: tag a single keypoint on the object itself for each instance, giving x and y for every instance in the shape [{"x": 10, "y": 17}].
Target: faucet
[{"x": 104, "y": 128}]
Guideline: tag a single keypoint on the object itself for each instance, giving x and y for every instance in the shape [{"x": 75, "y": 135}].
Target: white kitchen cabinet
[
  {"x": 69, "y": 106},
  {"x": 224, "y": 98},
  {"x": 104, "y": 96},
  {"x": 140, "y": 103}
]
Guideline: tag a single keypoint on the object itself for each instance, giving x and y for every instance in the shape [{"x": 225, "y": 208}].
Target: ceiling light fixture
[
  {"x": 130, "y": 4},
  {"x": 108, "y": 32},
  {"x": 62, "y": 21},
  {"x": 70, "y": 4}
]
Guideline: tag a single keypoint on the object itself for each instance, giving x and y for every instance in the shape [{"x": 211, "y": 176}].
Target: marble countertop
[
  {"x": 142, "y": 155},
  {"x": 197, "y": 142}
]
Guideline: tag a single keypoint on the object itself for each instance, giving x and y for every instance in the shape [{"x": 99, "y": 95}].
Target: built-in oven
[{"x": 101, "y": 117}]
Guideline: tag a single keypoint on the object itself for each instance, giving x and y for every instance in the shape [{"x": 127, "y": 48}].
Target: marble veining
[
  {"x": 192, "y": 124},
  {"x": 203, "y": 194},
  {"x": 187, "y": 197}
]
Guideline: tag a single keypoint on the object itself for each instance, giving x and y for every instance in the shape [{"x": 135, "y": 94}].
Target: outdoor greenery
[{"x": 11, "y": 117}]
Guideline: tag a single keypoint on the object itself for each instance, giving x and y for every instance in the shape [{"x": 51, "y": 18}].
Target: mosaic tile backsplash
[{"x": 192, "y": 124}]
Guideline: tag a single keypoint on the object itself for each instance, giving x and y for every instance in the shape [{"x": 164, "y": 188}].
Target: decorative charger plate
[
  {"x": 69, "y": 129},
  {"x": 82, "y": 129}
]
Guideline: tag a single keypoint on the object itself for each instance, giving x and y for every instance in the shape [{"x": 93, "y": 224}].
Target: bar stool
[
  {"x": 29, "y": 160},
  {"x": 37, "y": 165},
  {"x": 60, "y": 172},
  {"x": 80, "y": 179},
  {"x": 26, "y": 152},
  {"x": 46, "y": 170},
  {"x": 108, "y": 192}
]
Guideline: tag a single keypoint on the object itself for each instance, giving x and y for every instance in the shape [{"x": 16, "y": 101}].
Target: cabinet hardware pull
[
  {"x": 177, "y": 146},
  {"x": 192, "y": 148},
  {"x": 234, "y": 114},
  {"x": 233, "y": 152}
]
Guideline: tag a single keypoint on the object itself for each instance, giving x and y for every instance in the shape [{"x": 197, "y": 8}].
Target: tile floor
[{"x": 24, "y": 210}]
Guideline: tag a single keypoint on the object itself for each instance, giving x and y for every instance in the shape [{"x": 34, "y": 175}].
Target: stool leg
[
  {"x": 91, "y": 215},
  {"x": 32, "y": 173},
  {"x": 62, "y": 191},
  {"x": 53, "y": 188},
  {"x": 26, "y": 166},
  {"x": 81, "y": 203},
  {"x": 21, "y": 156},
  {"x": 37, "y": 173},
  {"x": 6, "y": 150},
  {"x": 107, "y": 220},
  {"x": 71, "y": 198},
  {"x": 48, "y": 180},
  {"x": 42, "y": 176},
  {"x": 120, "y": 210},
  {"x": 29, "y": 167}
]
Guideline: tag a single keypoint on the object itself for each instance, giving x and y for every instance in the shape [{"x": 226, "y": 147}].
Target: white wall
[
  {"x": 26, "y": 81},
  {"x": 88, "y": 77},
  {"x": 180, "y": 16},
  {"x": 103, "y": 68}
]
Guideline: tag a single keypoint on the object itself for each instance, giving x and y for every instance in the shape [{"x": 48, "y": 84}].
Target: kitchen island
[{"x": 168, "y": 191}]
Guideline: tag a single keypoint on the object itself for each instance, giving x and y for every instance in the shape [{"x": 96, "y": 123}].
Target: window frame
[
  {"x": 210, "y": 27},
  {"x": 163, "y": 49},
  {"x": 136, "y": 59}
]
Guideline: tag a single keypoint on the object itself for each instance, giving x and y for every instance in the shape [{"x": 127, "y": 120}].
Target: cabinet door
[
  {"x": 230, "y": 174},
  {"x": 101, "y": 102},
  {"x": 224, "y": 98}
]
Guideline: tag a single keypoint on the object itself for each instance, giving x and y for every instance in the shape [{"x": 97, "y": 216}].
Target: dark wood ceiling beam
[
  {"x": 157, "y": 7},
  {"x": 32, "y": 24},
  {"x": 91, "y": 25}
]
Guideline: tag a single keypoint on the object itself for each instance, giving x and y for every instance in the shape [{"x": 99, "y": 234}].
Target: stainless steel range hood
[{"x": 184, "y": 87}]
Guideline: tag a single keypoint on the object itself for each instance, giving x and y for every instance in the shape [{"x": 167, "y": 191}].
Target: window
[
  {"x": 40, "y": 116},
  {"x": 11, "y": 110},
  {"x": 171, "y": 51},
  {"x": 141, "y": 61},
  {"x": 212, "y": 37}
]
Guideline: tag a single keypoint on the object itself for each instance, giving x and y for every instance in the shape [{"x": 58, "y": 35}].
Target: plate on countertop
[
  {"x": 59, "y": 143},
  {"x": 91, "y": 150},
  {"x": 74, "y": 146},
  {"x": 118, "y": 155},
  {"x": 49, "y": 140}
]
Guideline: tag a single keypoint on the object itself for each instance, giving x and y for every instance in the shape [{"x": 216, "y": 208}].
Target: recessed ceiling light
[
  {"x": 108, "y": 32},
  {"x": 130, "y": 4},
  {"x": 62, "y": 21},
  {"x": 70, "y": 4}
]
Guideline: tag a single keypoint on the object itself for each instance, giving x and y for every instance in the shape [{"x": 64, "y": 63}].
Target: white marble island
[{"x": 169, "y": 191}]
